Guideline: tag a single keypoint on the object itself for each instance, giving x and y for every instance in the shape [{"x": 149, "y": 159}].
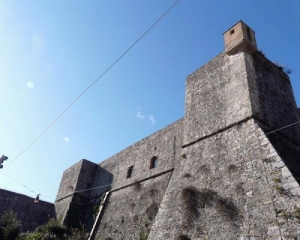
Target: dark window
[
  {"x": 129, "y": 172},
  {"x": 153, "y": 162},
  {"x": 232, "y": 31}
]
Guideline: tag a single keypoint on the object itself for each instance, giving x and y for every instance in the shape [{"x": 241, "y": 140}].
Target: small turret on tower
[{"x": 238, "y": 38}]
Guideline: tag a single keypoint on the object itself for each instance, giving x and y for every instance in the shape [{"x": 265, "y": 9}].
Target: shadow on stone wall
[
  {"x": 84, "y": 206},
  {"x": 288, "y": 151}
]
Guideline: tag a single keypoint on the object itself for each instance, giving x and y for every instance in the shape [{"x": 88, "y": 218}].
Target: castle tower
[
  {"x": 229, "y": 169},
  {"x": 74, "y": 197},
  {"x": 237, "y": 179}
]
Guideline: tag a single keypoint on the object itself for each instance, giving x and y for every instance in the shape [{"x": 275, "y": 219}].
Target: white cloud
[
  {"x": 140, "y": 115},
  {"x": 67, "y": 139},
  {"x": 152, "y": 119}
]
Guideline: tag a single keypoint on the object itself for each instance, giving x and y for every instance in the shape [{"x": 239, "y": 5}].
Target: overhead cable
[{"x": 96, "y": 80}]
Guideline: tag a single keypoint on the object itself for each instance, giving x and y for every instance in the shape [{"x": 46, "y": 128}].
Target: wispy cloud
[
  {"x": 67, "y": 139},
  {"x": 140, "y": 115},
  {"x": 152, "y": 119}
]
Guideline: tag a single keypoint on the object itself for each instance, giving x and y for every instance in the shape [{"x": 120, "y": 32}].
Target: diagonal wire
[
  {"x": 283, "y": 127},
  {"x": 102, "y": 186},
  {"x": 18, "y": 182},
  {"x": 96, "y": 80}
]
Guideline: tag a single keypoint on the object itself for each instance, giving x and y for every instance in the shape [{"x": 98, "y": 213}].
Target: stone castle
[{"x": 229, "y": 169}]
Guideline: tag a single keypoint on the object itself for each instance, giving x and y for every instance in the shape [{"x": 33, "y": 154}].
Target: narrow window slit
[
  {"x": 129, "y": 172},
  {"x": 153, "y": 162}
]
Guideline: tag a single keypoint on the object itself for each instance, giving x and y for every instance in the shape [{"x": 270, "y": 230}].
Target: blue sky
[{"x": 50, "y": 51}]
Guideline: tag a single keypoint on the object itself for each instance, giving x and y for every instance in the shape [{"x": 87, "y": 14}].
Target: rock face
[{"x": 220, "y": 172}]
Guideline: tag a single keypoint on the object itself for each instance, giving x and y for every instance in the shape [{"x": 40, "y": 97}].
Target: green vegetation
[
  {"x": 276, "y": 180},
  {"x": 9, "y": 226},
  {"x": 282, "y": 190},
  {"x": 52, "y": 230},
  {"x": 282, "y": 68},
  {"x": 260, "y": 52}
]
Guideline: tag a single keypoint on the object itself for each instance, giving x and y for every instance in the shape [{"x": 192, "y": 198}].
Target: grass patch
[
  {"x": 260, "y": 52},
  {"x": 281, "y": 190}
]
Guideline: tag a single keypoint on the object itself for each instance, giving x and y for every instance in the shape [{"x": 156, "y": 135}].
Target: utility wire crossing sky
[{"x": 48, "y": 57}]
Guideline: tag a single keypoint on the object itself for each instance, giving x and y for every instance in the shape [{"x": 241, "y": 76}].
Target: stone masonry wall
[
  {"x": 232, "y": 185},
  {"x": 220, "y": 173},
  {"x": 72, "y": 203},
  {"x": 217, "y": 96},
  {"x": 164, "y": 144},
  {"x": 134, "y": 201},
  {"x": 30, "y": 213},
  {"x": 130, "y": 212},
  {"x": 272, "y": 97}
]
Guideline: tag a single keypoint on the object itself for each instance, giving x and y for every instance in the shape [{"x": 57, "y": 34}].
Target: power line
[
  {"x": 282, "y": 127},
  {"x": 88, "y": 189},
  {"x": 96, "y": 80},
  {"x": 18, "y": 182},
  {"x": 24, "y": 187},
  {"x": 82, "y": 93},
  {"x": 102, "y": 186}
]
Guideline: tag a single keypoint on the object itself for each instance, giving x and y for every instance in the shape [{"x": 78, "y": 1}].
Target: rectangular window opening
[
  {"x": 129, "y": 172},
  {"x": 153, "y": 162}
]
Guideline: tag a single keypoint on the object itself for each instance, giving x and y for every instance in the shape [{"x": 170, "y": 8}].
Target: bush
[
  {"x": 78, "y": 233},
  {"x": 54, "y": 230},
  {"x": 52, "y": 227},
  {"x": 10, "y": 226}
]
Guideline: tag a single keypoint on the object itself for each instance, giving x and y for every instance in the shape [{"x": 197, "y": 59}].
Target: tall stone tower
[
  {"x": 228, "y": 170},
  {"x": 237, "y": 178}
]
